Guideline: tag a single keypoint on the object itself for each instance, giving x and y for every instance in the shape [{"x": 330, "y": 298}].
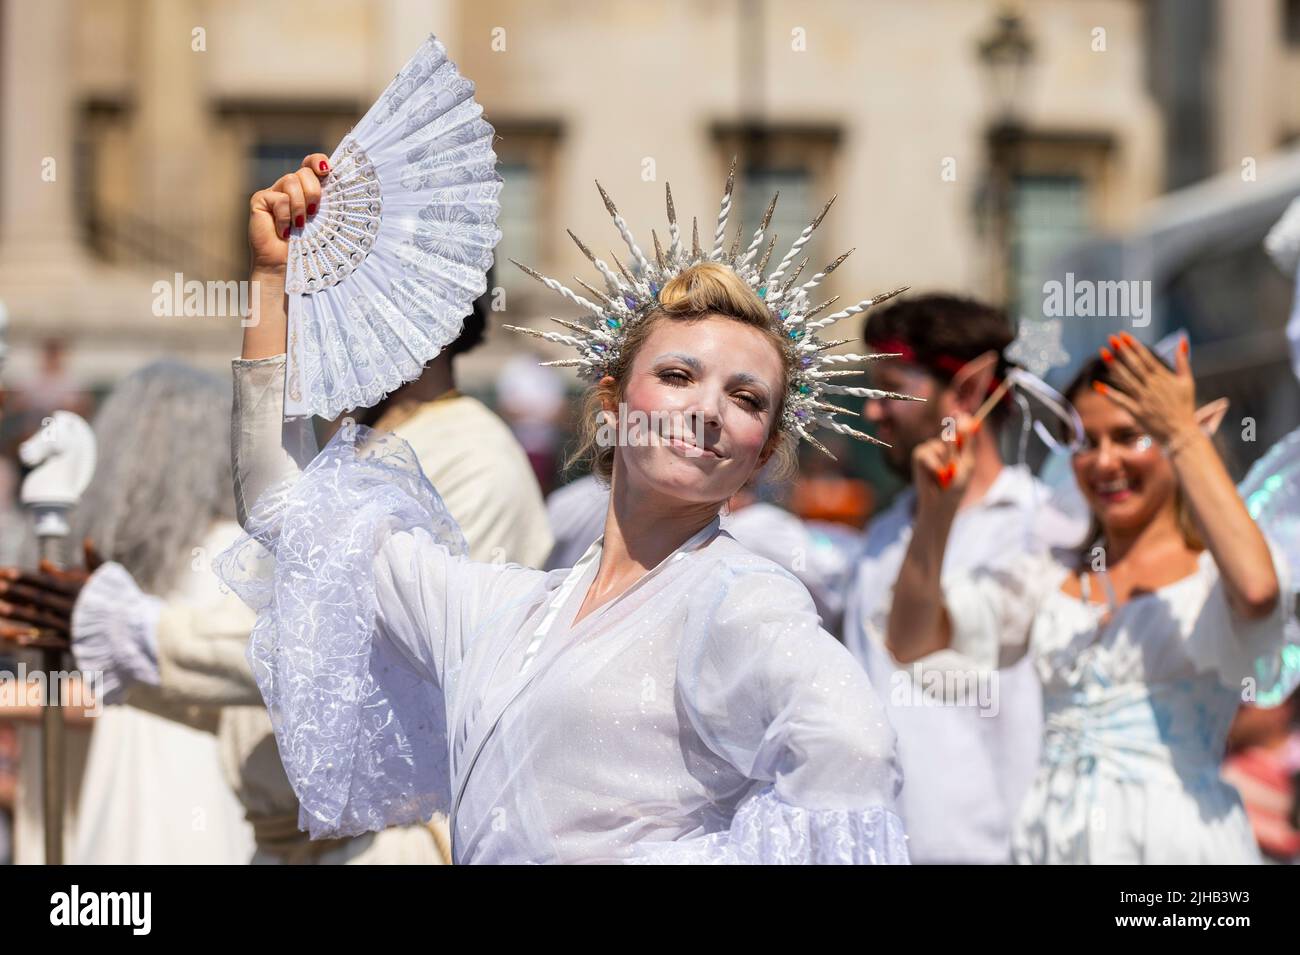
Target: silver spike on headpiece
[{"x": 632, "y": 295}]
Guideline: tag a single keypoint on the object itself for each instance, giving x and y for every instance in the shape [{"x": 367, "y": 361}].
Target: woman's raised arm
[
  {"x": 267, "y": 449},
  {"x": 918, "y": 621},
  {"x": 1164, "y": 402}
]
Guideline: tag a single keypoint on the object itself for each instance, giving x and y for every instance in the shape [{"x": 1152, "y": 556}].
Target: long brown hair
[{"x": 1097, "y": 370}]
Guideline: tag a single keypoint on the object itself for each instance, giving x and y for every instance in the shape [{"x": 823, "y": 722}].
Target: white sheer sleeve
[
  {"x": 265, "y": 449},
  {"x": 785, "y": 704},
  {"x": 355, "y": 568},
  {"x": 992, "y": 608}
]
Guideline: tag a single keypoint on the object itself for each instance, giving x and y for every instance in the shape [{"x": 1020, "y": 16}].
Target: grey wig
[{"x": 162, "y": 476}]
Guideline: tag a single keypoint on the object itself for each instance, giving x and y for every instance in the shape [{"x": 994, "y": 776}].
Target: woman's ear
[
  {"x": 608, "y": 393},
  {"x": 768, "y": 450},
  {"x": 972, "y": 381}
]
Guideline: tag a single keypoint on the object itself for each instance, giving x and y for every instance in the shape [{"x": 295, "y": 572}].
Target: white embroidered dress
[
  {"x": 1136, "y": 709},
  {"x": 702, "y": 716}
]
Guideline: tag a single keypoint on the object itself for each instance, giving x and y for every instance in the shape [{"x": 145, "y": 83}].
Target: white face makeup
[{"x": 701, "y": 396}]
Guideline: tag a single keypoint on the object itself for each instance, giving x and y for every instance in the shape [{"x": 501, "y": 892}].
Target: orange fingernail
[
  {"x": 976, "y": 425},
  {"x": 961, "y": 440},
  {"x": 1184, "y": 346},
  {"x": 1128, "y": 339},
  {"x": 1099, "y": 387},
  {"x": 1115, "y": 343},
  {"x": 1106, "y": 356}
]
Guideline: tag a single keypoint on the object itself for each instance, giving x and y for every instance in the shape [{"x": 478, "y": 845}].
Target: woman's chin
[
  {"x": 1121, "y": 512},
  {"x": 688, "y": 477}
]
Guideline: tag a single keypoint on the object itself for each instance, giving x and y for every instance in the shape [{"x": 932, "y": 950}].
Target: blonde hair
[{"x": 697, "y": 292}]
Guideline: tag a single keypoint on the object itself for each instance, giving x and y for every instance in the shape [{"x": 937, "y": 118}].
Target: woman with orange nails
[{"x": 1147, "y": 640}]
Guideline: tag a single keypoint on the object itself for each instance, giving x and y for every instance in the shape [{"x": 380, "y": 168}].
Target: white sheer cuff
[
  {"x": 115, "y": 631},
  {"x": 766, "y": 830}
]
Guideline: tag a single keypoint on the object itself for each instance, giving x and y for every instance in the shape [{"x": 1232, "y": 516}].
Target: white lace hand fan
[{"x": 381, "y": 278}]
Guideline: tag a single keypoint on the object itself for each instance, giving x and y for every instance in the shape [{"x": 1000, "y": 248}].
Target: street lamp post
[{"x": 1005, "y": 53}]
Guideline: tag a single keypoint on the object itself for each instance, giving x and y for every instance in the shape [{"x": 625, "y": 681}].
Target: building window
[
  {"x": 267, "y": 140},
  {"x": 795, "y": 161},
  {"x": 1049, "y": 190},
  {"x": 1050, "y": 213},
  {"x": 526, "y": 154},
  {"x": 1291, "y": 22},
  {"x": 519, "y": 222},
  {"x": 794, "y": 208}
]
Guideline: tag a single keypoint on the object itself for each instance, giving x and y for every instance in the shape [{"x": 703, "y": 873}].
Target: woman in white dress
[
  {"x": 672, "y": 697},
  {"x": 1146, "y": 642}
]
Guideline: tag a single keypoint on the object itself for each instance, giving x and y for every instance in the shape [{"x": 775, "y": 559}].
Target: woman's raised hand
[
  {"x": 271, "y": 214},
  {"x": 1162, "y": 401},
  {"x": 286, "y": 204}
]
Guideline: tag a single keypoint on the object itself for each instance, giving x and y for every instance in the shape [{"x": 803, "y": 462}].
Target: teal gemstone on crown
[
  {"x": 803, "y": 389},
  {"x": 762, "y": 292}
]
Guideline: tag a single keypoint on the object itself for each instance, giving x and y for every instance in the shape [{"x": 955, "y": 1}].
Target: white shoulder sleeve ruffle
[
  {"x": 1260, "y": 656},
  {"x": 785, "y": 704},
  {"x": 360, "y": 721},
  {"x": 115, "y": 631},
  {"x": 992, "y": 608}
]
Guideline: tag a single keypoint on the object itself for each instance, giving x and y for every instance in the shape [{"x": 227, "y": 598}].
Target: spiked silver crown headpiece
[{"x": 630, "y": 295}]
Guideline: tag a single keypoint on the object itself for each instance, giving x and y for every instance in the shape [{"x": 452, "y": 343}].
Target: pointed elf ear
[
  {"x": 1210, "y": 415},
  {"x": 972, "y": 381}
]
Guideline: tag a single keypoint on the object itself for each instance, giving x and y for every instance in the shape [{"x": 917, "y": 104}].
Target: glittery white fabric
[
  {"x": 1136, "y": 711},
  {"x": 703, "y": 708},
  {"x": 769, "y": 831}
]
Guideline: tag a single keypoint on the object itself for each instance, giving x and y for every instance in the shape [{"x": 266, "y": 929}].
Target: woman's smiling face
[
  {"x": 1122, "y": 473},
  {"x": 701, "y": 398}
]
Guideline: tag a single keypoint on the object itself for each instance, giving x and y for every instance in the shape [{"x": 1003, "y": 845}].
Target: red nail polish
[
  {"x": 324, "y": 166},
  {"x": 286, "y": 233},
  {"x": 311, "y": 209},
  {"x": 1184, "y": 346},
  {"x": 976, "y": 425},
  {"x": 1128, "y": 339},
  {"x": 1106, "y": 356},
  {"x": 300, "y": 221},
  {"x": 1115, "y": 343},
  {"x": 1099, "y": 387}
]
